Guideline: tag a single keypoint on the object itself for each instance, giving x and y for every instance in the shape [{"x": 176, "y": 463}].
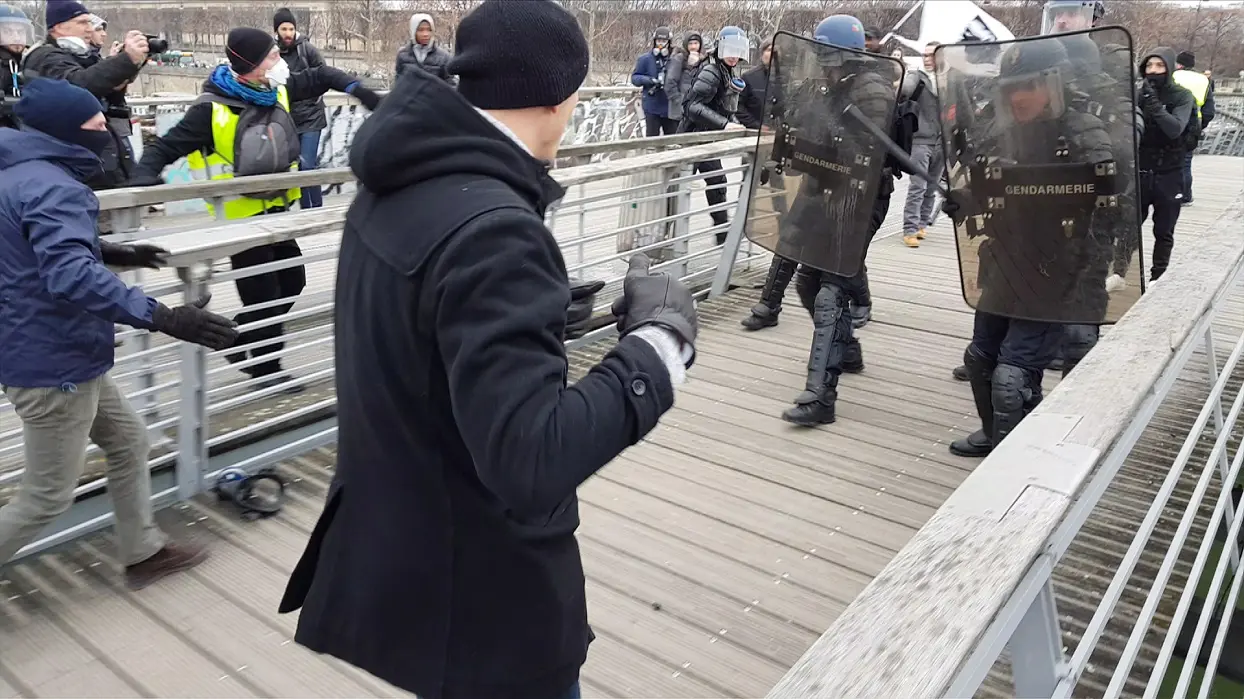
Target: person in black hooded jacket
[
  {"x": 445, "y": 561},
  {"x": 1168, "y": 110},
  {"x": 308, "y": 114}
]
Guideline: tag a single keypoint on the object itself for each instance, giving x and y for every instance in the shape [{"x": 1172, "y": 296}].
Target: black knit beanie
[
  {"x": 1186, "y": 59},
  {"x": 282, "y": 16},
  {"x": 512, "y": 54},
  {"x": 247, "y": 48}
]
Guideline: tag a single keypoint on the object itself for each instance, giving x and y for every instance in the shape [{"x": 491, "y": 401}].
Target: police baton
[{"x": 899, "y": 154}]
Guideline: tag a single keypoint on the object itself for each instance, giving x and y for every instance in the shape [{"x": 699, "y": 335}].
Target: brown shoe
[
  {"x": 911, "y": 241},
  {"x": 173, "y": 558}
]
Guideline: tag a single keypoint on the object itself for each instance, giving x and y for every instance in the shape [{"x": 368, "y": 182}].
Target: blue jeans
[
  {"x": 309, "y": 159},
  {"x": 1188, "y": 177}
]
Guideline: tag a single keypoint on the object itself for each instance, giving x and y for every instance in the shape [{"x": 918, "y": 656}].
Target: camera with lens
[
  {"x": 156, "y": 45},
  {"x": 116, "y": 111}
]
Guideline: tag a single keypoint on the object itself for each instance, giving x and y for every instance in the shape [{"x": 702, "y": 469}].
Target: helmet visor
[
  {"x": 16, "y": 31},
  {"x": 1067, "y": 16},
  {"x": 733, "y": 46}
]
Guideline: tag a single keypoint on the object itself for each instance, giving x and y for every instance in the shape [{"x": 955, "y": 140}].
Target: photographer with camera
[
  {"x": 650, "y": 75},
  {"x": 66, "y": 55}
]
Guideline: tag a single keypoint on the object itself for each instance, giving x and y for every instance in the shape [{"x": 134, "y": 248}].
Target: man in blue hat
[{"x": 56, "y": 330}]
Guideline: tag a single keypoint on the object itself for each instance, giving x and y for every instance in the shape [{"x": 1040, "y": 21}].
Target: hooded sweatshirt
[
  {"x": 446, "y": 561},
  {"x": 1168, "y": 110},
  {"x": 58, "y": 302},
  {"x": 429, "y": 57}
]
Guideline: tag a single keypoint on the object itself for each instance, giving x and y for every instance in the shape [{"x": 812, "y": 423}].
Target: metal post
[
  {"x": 681, "y": 226},
  {"x": 582, "y": 222},
  {"x": 1224, "y": 465},
  {"x": 1036, "y": 647},
  {"x": 734, "y": 235},
  {"x": 192, "y": 432}
]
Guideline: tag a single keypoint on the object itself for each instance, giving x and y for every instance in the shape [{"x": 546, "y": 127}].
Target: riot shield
[
  {"x": 827, "y": 166},
  {"x": 1041, "y": 150}
]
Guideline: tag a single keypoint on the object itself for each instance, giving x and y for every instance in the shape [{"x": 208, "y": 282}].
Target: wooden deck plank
[{"x": 160, "y": 662}]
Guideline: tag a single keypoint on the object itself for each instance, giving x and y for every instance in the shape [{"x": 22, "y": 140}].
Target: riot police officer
[
  {"x": 867, "y": 83},
  {"x": 1036, "y": 252}
]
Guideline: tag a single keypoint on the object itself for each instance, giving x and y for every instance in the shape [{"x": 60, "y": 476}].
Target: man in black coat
[
  {"x": 423, "y": 51},
  {"x": 308, "y": 114},
  {"x": 66, "y": 55},
  {"x": 445, "y": 561},
  {"x": 751, "y": 111}
]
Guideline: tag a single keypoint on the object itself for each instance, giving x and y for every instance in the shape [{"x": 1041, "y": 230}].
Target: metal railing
[
  {"x": 976, "y": 593},
  {"x": 195, "y": 401}
]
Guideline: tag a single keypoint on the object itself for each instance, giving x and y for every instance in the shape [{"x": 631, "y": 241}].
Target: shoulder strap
[
  {"x": 302, "y": 53},
  {"x": 220, "y": 99}
]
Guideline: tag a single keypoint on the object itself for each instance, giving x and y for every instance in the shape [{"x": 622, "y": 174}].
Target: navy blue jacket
[
  {"x": 58, "y": 301},
  {"x": 648, "y": 69}
]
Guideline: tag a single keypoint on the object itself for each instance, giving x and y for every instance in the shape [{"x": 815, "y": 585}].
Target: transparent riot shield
[
  {"x": 828, "y": 167},
  {"x": 1041, "y": 156}
]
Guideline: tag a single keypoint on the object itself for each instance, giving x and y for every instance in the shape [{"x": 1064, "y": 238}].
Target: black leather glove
[
  {"x": 655, "y": 299},
  {"x": 193, "y": 324},
  {"x": 131, "y": 256},
  {"x": 582, "y": 303},
  {"x": 369, "y": 98},
  {"x": 958, "y": 206}
]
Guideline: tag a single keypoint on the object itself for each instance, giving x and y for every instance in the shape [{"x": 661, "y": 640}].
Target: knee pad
[
  {"x": 1012, "y": 389},
  {"x": 829, "y": 305},
  {"x": 979, "y": 367}
]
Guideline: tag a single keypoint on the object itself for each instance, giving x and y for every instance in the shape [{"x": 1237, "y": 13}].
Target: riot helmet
[
  {"x": 840, "y": 31},
  {"x": 661, "y": 41},
  {"x": 1032, "y": 79},
  {"x": 732, "y": 45},
  {"x": 1084, "y": 57},
  {"x": 16, "y": 31},
  {"x": 1071, "y": 15}
]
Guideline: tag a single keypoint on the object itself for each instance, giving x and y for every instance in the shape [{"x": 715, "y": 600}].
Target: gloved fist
[
  {"x": 369, "y": 98},
  {"x": 958, "y": 206},
  {"x": 132, "y": 256},
  {"x": 582, "y": 302},
  {"x": 193, "y": 324},
  {"x": 655, "y": 299},
  {"x": 144, "y": 181}
]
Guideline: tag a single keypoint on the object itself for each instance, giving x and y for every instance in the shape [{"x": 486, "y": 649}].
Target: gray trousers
[
  {"x": 56, "y": 427},
  {"x": 921, "y": 196}
]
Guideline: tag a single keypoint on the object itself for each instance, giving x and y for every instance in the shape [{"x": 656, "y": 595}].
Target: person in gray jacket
[
  {"x": 926, "y": 150},
  {"x": 681, "y": 71}
]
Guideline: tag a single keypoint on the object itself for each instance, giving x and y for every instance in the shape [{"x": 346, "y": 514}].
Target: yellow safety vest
[
  {"x": 218, "y": 165},
  {"x": 1195, "y": 83}
]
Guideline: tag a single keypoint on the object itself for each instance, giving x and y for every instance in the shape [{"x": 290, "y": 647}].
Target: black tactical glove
[
  {"x": 132, "y": 256},
  {"x": 582, "y": 303},
  {"x": 193, "y": 324},
  {"x": 958, "y": 205},
  {"x": 655, "y": 299},
  {"x": 369, "y": 98}
]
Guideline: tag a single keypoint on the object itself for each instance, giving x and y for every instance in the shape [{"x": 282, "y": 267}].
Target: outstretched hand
[{"x": 655, "y": 299}]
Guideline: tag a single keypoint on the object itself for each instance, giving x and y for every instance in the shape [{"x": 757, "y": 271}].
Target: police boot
[
  {"x": 853, "y": 357},
  {"x": 980, "y": 376},
  {"x": 765, "y": 313},
  {"x": 1014, "y": 396},
  {"x": 832, "y": 330}
]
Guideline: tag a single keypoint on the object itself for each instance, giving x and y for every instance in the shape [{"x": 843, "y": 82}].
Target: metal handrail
[
  {"x": 136, "y": 197},
  {"x": 976, "y": 577},
  {"x": 336, "y": 98}
]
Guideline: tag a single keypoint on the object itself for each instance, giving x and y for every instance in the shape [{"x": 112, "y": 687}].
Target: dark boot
[
  {"x": 830, "y": 338},
  {"x": 853, "y": 358},
  {"x": 974, "y": 445},
  {"x": 765, "y": 313},
  {"x": 979, "y": 372},
  {"x": 173, "y": 558},
  {"x": 960, "y": 373}
]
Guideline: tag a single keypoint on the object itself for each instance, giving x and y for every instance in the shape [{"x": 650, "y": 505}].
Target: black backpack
[
  {"x": 1192, "y": 132},
  {"x": 265, "y": 141}
]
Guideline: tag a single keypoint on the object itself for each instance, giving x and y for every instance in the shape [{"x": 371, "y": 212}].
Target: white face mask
[
  {"x": 279, "y": 74},
  {"x": 73, "y": 44}
]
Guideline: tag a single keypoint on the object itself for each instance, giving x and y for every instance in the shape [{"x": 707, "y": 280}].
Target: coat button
[{"x": 638, "y": 387}]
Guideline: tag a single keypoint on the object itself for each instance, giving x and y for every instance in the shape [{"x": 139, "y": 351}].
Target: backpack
[{"x": 265, "y": 141}]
